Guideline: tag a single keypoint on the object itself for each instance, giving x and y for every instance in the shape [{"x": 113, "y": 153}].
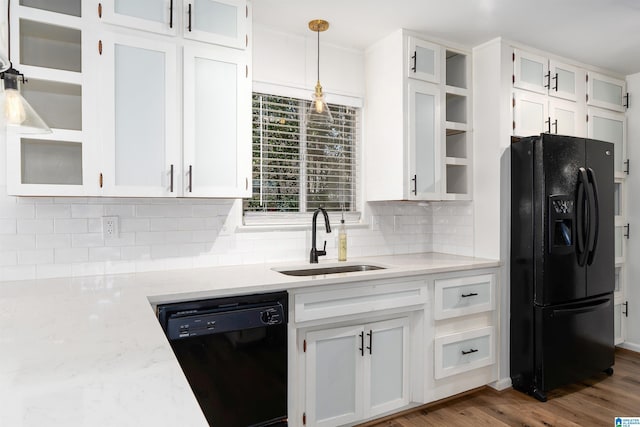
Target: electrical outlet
[{"x": 110, "y": 229}]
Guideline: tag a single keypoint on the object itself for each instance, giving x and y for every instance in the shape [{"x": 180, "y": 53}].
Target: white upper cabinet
[
  {"x": 424, "y": 141},
  {"x": 50, "y": 47},
  {"x": 611, "y": 127},
  {"x": 158, "y": 16},
  {"x": 139, "y": 123},
  {"x": 418, "y": 121},
  {"x": 530, "y": 71},
  {"x": 607, "y": 92},
  {"x": 216, "y": 21},
  {"x": 217, "y": 123},
  {"x": 530, "y": 113},
  {"x": 546, "y": 76},
  {"x": 424, "y": 60}
]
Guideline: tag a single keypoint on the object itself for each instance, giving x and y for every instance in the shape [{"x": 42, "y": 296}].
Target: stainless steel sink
[{"x": 318, "y": 271}]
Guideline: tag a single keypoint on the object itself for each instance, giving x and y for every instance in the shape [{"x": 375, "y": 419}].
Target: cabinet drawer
[
  {"x": 464, "y": 351},
  {"x": 357, "y": 299},
  {"x": 460, "y": 296}
]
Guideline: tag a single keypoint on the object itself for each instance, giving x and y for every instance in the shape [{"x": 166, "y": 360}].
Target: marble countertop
[{"x": 88, "y": 351}]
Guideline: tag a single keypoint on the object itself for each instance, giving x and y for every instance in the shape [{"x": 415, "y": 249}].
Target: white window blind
[{"x": 298, "y": 166}]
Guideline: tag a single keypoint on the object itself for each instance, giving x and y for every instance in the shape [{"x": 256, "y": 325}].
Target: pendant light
[
  {"x": 16, "y": 110},
  {"x": 319, "y": 110}
]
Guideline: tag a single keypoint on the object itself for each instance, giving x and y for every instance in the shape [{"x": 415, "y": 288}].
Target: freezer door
[
  {"x": 557, "y": 163},
  {"x": 600, "y": 262},
  {"x": 573, "y": 341}
]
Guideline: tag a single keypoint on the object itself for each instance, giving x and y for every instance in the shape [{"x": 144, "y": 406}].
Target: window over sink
[{"x": 299, "y": 166}]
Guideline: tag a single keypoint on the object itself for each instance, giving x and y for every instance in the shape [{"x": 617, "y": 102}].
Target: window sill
[{"x": 297, "y": 221}]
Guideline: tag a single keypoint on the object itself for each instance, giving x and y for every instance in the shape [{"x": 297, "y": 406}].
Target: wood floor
[{"x": 594, "y": 402}]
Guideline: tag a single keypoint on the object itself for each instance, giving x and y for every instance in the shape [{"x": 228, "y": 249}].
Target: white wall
[
  {"x": 43, "y": 237},
  {"x": 632, "y": 183}
]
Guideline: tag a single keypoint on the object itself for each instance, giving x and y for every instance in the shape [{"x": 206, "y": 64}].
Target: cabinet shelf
[
  {"x": 456, "y": 108},
  {"x": 453, "y": 127},
  {"x": 456, "y": 70},
  {"x": 65, "y": 7},
  {"x": 50, "y": 46},
  {"x": 67, "y": 99}
]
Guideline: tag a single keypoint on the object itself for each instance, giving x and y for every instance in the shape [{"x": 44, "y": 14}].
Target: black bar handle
[
  {"x": 370, "y": 334},
  {"x": 548, "y": 76},
  {"x": 627, "y": 234},
  {"x": 626, "y": 162},
  {"x": 582, "y": 308},
  {"x": 473, "y": 350},
  {"x": 189, "y": 12},
  {"x": 555, "y": 123},
  {"x": 556, "y": 79},
  {"x": 470, "y": 294},
  {"x": 190, "y": 178},
  {"x": 594, "y": 214},
  {"x": 626, "y": 308},
  {"x": 626, "y": 100},
  {"x": 580, "y": 216},
  {"x": 171, "y": 186},
  {"x": 171, "y": 14},
  {"x": 415, "y": 61},
  {"x": 361, "y": 343},
  {"x": 415, "y": 184},
  {"x": 548, "y": 122}
]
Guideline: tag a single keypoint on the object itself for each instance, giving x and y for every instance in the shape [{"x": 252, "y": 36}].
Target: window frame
[{"x": 279, "y": 219}]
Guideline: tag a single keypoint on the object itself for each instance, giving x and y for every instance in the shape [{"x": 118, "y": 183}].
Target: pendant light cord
[
  {"x": 9, "y": 30},
  {"x": 318, "y": 32}
]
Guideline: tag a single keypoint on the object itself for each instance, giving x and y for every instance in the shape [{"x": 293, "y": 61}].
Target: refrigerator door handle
[
  {"x": 583, "y": 218},
  {"x": 580, "y": 308},
  {"x": 594, "y": 214}
]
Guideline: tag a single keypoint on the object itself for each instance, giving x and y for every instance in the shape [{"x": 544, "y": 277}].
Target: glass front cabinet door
[
  {"x": 141, "y": 140},
  {"x": 158, "y": 16},
  {"x": 217, "y": 123},
  {"x": 425, "y": 160},
  {"x": 222, "y": 22}
]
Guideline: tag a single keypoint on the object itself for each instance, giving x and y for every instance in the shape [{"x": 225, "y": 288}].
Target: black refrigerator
[{"x": 562, "y": 261}]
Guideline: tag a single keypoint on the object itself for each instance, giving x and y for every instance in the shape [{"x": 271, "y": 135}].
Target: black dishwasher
[{"x": 233, "y": 351}]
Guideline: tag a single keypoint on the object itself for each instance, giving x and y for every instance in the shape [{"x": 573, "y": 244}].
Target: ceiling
[{"x": 602, "y": 33}]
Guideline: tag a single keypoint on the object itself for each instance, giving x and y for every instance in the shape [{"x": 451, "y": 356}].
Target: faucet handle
[{"x": 324, "y": 250}]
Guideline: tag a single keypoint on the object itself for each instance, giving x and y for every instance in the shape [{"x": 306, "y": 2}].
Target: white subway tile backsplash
[
  {"x": 8, "y": 258},
  {"x": 78, "y": 225},
  {"x": 53, "y": 241},
  {"x": 134, "y": 224},
  {"x": 12, "y": 242},
  {"x": 71, "y": 255},
  {"x": 86, "y": 240},
  {"x": 34, "y": 226},
  {"x": 8, "y": 226},
  {"x": 53, "y": 211},
  {"x": 87, "y": 211},
  {"x": 58, "y": 237},
  {"x": 135, "y": 252},
  {"x": 104, "y": 253}
]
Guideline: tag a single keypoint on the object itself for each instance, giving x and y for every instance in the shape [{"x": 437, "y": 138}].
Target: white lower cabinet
[
  {"x": 464, "y": 334},
  {"x": 367, "y": 349},
  {"x": 356, "y": 372}
]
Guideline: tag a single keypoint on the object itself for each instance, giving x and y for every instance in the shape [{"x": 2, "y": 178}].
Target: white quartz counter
[{"x": 89, "y": 351}]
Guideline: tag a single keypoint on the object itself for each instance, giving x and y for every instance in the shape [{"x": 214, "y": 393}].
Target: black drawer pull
[
  {"x": 473, "y": 350},
  {"x": 470, "y": 294}
]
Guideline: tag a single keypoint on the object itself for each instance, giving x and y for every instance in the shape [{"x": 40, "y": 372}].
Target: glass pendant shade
[
  {"x": 16, "y": 110},
  {"x": 319, "y": 110}
]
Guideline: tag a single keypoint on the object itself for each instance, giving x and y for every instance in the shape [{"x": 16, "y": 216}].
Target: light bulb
[
  {"x": 13, "y": 109},
  {"x": 319, "y": 105}
]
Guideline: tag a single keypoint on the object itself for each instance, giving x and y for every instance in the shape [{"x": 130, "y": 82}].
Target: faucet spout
[{"x": 315, "y": 253}]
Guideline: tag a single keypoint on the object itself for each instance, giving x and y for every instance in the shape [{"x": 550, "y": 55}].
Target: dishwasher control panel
[{"x": 185, "y": 320}]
